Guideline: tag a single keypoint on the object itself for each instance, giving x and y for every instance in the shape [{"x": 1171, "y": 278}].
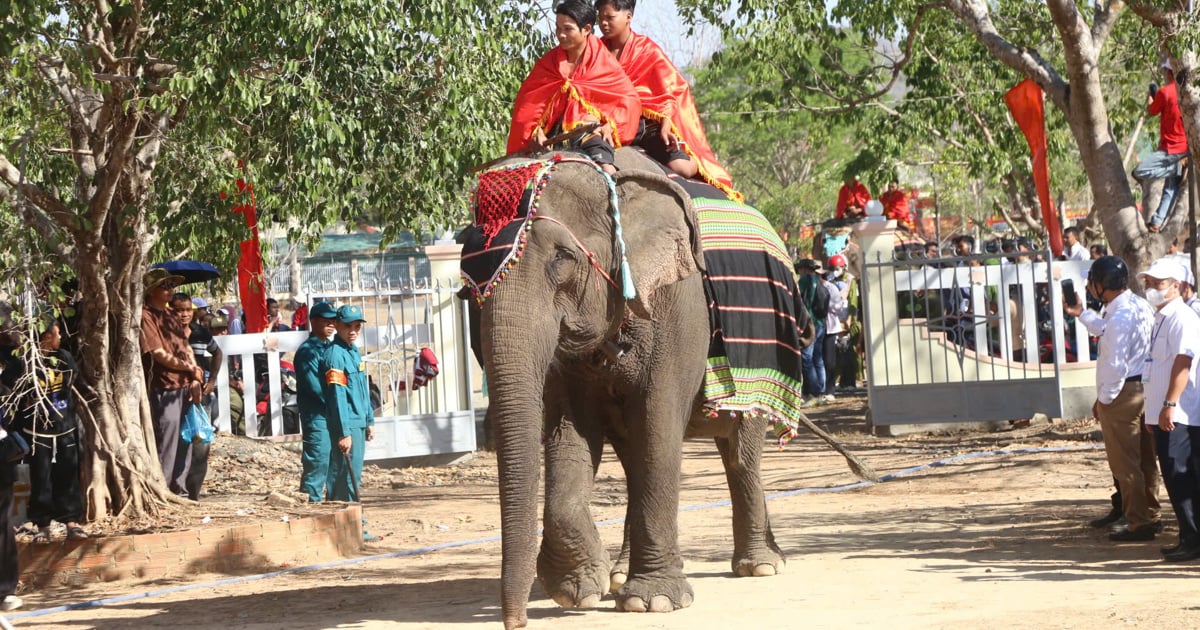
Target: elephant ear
[{"x": 662, "y": 237}]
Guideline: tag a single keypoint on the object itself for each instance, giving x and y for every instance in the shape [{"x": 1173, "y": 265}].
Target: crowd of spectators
[{"x": 181, "y": 361}]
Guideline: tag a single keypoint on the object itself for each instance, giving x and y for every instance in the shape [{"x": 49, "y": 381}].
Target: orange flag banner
[{"x": 1027, "y": 105}]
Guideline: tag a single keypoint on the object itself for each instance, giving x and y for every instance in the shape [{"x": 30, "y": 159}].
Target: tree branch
[
  {"x": 1106, "y": 16},
  {"x": 1156, "y": 17},
  {"x": 896, "y": 69},
  {"x": 977, "y": 17},
  {"x": 118, "y": 153},
  {"x": 64, "y": 83},
  {"x": 45, "y": 214}
]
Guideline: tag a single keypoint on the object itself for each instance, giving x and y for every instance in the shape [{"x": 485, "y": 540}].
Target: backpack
[{"x": 816, "y": 297}]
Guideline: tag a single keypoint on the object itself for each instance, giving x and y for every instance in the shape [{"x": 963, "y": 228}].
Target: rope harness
[{"x": 496, "y": 201}]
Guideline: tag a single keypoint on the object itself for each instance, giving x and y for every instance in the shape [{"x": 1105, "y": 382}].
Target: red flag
[
  {"x": 1027, "y": 106},
  {"x": 252, "y": 289}
]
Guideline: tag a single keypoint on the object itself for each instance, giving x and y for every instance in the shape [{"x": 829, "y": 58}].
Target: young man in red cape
[
  {"x": 672, "y": 132},
  {"x": 852, "y": 198},
  {"x": 577, "y": 82}
]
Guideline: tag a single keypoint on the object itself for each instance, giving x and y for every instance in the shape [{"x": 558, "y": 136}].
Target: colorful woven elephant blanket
[{"x": 755, "y": 312}]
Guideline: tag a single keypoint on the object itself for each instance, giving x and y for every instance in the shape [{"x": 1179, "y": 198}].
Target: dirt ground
[{"x": 985, "y": 542}]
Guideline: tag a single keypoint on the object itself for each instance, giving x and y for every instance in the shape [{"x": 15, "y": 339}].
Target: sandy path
[{"x": 986, "y": 543}]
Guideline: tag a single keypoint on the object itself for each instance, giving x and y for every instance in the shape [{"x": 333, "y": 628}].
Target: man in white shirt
[
  {"x": 1124, "y": 331},
  {"x": 1173, "y": 399},
  {"x": 1074, "y": 249}
]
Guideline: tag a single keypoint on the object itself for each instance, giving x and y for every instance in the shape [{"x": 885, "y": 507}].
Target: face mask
[
  {"x": 837, "y": 273},
  {"x": 1156, "y": 297}
]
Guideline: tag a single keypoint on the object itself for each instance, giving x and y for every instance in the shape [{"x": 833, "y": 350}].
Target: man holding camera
[{"x": 1123, "y": 327}]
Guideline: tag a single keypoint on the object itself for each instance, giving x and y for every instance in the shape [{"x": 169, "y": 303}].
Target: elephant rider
[
  {"x": 670, "y": 129},
  {"x": 577, "y": 82},
  {"x": 310, "y": 390}
]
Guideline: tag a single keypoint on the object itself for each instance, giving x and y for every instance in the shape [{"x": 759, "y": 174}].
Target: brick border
[{"x": 240, "y": 549}]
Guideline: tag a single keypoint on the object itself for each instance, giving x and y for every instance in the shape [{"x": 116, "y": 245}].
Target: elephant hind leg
[
  {"x": 754, "y": 551},
  {"x": 620, "y": 569}
]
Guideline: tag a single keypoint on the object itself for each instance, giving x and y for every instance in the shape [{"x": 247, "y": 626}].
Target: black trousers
[
  {"x": 9, "y": 572},
  {"x": 1179, "y": 459},
  {"x": 54, "y": 480},
  {"x": 829, "y": 348}
]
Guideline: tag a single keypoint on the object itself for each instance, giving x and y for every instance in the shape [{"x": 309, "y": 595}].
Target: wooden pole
[{"x": 1192, "y": 191}]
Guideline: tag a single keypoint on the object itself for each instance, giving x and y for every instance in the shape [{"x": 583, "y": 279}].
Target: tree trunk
[
  {"x": 1081, "y": 99},
  {"x": 124, "y": 477}
]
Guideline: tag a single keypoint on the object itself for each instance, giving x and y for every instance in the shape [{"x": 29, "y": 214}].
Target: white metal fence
[
  {"x": 410, "y": 420},
  {"x": 974, "y": 338}
]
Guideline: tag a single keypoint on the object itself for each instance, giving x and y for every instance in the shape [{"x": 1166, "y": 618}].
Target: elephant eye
[{"x": 564, "y": 254}]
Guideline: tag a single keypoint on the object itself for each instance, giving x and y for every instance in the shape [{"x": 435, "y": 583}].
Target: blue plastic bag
[{"x": 197, "y": 428}]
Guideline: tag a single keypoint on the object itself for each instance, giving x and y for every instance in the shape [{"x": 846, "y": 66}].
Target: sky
[{"x": 659, "y": 20}]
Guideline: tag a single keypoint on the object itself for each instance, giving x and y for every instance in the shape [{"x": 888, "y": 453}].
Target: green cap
[{"x": 349, "y": 314}]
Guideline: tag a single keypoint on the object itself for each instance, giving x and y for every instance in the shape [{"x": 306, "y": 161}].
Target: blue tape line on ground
[{"x": 96, "y": 603}]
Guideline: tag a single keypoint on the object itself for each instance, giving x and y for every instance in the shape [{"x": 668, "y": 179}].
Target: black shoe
[
  {"x": 1140, "y": 534},
  {"x": 1113, "y": 516},
  {"x": 1159, "y": 527},
  {"x": 1166, "y": 551},
  {"x": 1183, "y": 555}
]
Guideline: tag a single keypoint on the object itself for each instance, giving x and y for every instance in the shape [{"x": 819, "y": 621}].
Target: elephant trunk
[{"x": 517, "y": 367}]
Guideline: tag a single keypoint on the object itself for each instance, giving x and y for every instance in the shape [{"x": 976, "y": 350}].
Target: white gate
[
  {"x": 411, "y": 420},
  {"x": 970, "y": 339}
]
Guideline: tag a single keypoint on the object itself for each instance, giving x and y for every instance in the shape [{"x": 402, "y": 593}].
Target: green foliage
[
  {"x": 946, "y": 112},
  {"x": 788, "y": 162},
  {"x": 340, "y": 110}
]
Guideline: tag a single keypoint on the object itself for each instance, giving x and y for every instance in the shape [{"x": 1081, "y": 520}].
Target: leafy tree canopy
[{"x": 338, "y": 110}]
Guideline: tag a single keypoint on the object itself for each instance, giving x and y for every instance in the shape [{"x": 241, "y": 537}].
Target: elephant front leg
[
  {"x": 656, "y": 581},
  {"x": 754, "y": 550},
  {"x": 572, "y": 565}
]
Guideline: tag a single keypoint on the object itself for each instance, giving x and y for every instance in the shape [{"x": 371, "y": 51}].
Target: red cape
[
  {"x": 597, "y": 87},
  {"x": 666, "y": 97}
]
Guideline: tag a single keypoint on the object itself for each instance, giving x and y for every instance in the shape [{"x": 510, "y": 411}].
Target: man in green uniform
[
  {"x": 310, "y": 390},
  {"x": 348, "y": 406}
]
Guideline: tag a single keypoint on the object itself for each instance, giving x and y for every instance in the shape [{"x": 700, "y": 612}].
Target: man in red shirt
[
  {"x": 852, "y": 199},
  {"x": 1172, "y": 146},
  {"x": 895, "y": 204}
]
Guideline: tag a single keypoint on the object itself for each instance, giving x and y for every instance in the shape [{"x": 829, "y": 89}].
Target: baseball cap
[
  {"x": 1165, "y": 269},
  {"x": 1185, "y": 260},
  {"x": 323, "y": 310},
  {"x": 349, "y": 314},
  {"x": 807, "y": 263},
  {"x": 199, "y": 302}
]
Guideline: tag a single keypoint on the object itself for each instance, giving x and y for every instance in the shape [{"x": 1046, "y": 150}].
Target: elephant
[{"x": 572, "y": 362}]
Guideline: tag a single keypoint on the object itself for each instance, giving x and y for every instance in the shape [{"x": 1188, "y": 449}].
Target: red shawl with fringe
[
  {"x": 597, "y": 86},
  {"x": 666, "y": 97}
]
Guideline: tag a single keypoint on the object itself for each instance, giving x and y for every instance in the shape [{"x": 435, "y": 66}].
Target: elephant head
[{"x": 560, "y": 301}]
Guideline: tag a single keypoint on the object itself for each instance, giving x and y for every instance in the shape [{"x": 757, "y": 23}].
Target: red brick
[
  {"x": 276, "y": 530},
  {"x": 179, "y": 540}
]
